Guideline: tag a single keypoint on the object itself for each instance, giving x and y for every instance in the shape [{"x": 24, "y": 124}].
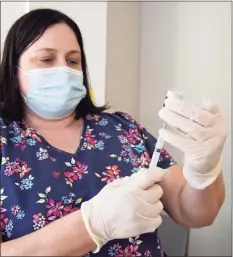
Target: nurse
[{"x": 75, "y": 178}]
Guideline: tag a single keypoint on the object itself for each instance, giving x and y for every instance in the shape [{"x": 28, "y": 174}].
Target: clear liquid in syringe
[{"x": 160, "y": 142}]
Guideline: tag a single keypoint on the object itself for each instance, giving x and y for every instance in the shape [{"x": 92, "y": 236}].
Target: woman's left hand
[{"x": 202, "y": 134}]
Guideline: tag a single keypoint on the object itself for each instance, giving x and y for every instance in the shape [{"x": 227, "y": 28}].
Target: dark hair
[{"x": 24, "y": 32}]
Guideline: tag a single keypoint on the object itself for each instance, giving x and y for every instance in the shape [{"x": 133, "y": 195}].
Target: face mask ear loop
[
  {"x": 24, "y": 98},
  {"x": 22, "y": 70}
]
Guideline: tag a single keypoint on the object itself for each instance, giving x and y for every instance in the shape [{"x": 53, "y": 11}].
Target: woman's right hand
[{"x": 125, "y": 208}]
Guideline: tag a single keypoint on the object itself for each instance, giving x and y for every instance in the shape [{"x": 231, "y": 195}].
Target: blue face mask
[{"x": 54, "y": 93}]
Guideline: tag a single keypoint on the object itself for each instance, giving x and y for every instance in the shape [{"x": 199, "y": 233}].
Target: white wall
[
  {"x": 188, "y": 46},
  {"x": 9, "y": 15}
]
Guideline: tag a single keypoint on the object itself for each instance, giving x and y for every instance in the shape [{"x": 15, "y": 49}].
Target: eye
[
  {"x": 73, "y": 62},
  {"x": 46, "y": 60}
]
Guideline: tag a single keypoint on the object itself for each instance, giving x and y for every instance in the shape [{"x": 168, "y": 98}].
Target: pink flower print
[
  {"x": 135, "y": 161},
  {"x": 3, "y": 220},
  {"x": 127, "y": 148},
  {"x": 21, "y": 146},
  {"x": 18, "y": 167},
  {"x": 8, "y": 170},
  {"x": 134, "y": 250},
  {"x": 133, "y": 136},
  {"x": 52, "y": 159},
  {"x": 54, "y": 209},
  {"x": 70, "y": 176},
  {"x": 131, "y": 154},
  {"x": 147, "y": 253},
  {"x": 2, "y": 209},
  {"x": 123, "y": 139},
  {"x": 107, "y": 177},
  {"x": 56, "y": 174},
  {"x": 114, "y": 250},
  {"x": 111, "y": 173},
  {"x": 93, "y": 117},
  {"x": 68, "y": 209},
  {"x": 80, "y": 169},
  {"x": 131, "y": 118},
  {"x": 90, "y": 138},
  {"x": 21, "y": 170},
  {"x": 36, "y": 217},
  {"x": 107, "y": 136},
  {"x": 145, "y": 158},
  {"x": 165, "y": 153},
  {"x": 39, "y": 221},
  {"x": 123, "y": 153},
  {"x": 23, "y": 137},
  {"x": 31, "y": 133},
  {"x": 130, "y": 251},
  {"x": 15, "y": 209}
]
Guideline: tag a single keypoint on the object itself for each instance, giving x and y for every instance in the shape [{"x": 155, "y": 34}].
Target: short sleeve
[{"x": 165, "y": 160}]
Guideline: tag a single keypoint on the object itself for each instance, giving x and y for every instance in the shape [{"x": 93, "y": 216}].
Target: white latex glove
[
  {"x": 202, "y": 134},
  {"x": 125, "y": 208}
]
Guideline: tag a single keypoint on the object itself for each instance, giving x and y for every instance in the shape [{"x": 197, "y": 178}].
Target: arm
[
  {"x": 190, "y": 207},
  {"x": 64, "y": 237}
]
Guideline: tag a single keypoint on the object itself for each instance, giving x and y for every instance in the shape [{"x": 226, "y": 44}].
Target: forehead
[{"x": 59, "y": 37}]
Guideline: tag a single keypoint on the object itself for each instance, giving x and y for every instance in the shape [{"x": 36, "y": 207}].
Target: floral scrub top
[{"x": 40, "y": 183}]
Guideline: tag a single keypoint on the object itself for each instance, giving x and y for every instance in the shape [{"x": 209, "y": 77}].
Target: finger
[
  {"x": 151, "y": 210},
  {"x": 152, "y": 224},
  {"x": 175, "y": 140},
  {"x": 148, "y": 178},
  {"x": 116, "y": 182},
  {"x": 210, "y": 106},
  {"x": 188, "y": 127},
  {"x": 151, "y": 195},
  {"x": 200, "y": 115}
]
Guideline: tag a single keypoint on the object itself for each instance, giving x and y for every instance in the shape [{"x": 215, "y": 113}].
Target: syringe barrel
[{"x": 159, "y": 144}]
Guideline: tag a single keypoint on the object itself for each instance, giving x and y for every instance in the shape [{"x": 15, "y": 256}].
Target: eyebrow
[{"x": 54, "y": 50}]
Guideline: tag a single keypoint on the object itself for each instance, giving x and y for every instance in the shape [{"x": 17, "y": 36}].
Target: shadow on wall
[{"x": 174, "y": 238}]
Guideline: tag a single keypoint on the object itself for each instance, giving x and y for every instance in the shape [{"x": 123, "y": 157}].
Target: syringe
[{"x": 159, "y": 144}]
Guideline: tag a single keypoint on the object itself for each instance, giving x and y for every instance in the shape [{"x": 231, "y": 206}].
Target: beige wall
[{"x": 123, "y": 57}]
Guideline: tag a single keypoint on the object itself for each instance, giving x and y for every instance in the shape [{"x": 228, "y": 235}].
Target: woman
[{"x": 63, "y": 157}]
